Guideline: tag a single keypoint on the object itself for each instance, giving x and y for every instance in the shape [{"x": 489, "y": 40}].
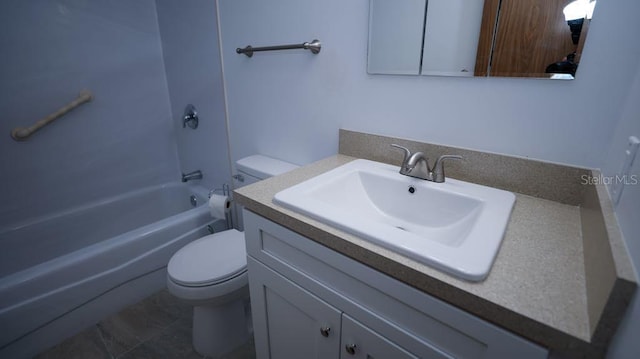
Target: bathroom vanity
[
  {"x": 558, "y": 287},
  {"x": 313, "y": 302}
]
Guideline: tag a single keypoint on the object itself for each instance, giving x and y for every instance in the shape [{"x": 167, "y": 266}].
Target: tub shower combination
[{"x": 62, "y": 273}]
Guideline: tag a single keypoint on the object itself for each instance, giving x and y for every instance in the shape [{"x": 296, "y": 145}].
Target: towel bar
[{"x": 313, "y": 46}]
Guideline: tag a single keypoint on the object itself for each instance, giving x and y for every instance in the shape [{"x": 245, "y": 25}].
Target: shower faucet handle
[{"x": 190, "y": 117}]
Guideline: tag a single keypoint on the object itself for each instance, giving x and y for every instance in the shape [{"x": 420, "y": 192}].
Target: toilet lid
[{"x": 209, "y": 260}]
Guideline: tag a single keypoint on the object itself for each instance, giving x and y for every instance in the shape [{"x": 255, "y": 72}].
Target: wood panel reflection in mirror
[{"x": 508, "y": 38}]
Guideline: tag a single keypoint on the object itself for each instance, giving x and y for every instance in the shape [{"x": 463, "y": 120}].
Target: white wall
[
  {"x": 194, "y": 74},
  {"x": 120, "y": 141},
  {"x": 626, "y": 344},
  {"x": 290, "y": 104}
]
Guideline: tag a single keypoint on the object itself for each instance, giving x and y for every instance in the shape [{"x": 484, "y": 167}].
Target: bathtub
[{"x": 62, "y": 273}]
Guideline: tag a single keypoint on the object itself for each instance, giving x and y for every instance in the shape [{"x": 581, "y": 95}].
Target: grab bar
[
  {"x": 22, "y": 133},
  {"x": 313, "y": 46}
]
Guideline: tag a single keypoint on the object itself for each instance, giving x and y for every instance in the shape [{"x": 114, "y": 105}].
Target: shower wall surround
[
  {"x": 194, "y": 75},
  {"x": 122, "y": 140}
]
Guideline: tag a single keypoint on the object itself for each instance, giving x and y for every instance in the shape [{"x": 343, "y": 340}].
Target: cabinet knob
[
  {"x": 350, "y": 348},
  {"x": 325, "y": 331}
]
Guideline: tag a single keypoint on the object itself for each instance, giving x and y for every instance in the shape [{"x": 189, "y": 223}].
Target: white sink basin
[{"x": 453, "y": 226}]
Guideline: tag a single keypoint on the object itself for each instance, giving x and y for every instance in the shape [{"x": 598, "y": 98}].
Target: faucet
[
  {"x": 191, "y": 176},
  {"x": 417, "y": 165}
]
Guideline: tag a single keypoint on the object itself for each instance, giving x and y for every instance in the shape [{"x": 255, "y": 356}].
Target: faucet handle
[
  {"x": 407, "y": 153},
  {"x": 438, "y": 167},
  {"x": 190, "y": 117}
]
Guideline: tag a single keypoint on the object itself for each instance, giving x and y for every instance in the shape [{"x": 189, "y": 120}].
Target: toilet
[{"x": 210, "y": 273}]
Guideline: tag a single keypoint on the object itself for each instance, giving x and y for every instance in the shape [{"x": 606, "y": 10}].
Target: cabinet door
[
  {"x": 360, "y": 342},
  {"x": 288, "y": 321}
]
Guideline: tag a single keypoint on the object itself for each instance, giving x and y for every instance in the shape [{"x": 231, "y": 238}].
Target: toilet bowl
[{"x": 210, "y": 273}]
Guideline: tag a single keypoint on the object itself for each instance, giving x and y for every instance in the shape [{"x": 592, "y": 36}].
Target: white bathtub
[{"x": 65, "y": 272}]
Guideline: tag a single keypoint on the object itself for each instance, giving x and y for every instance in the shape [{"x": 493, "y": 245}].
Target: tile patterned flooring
[{"x": 157, "y": 327}]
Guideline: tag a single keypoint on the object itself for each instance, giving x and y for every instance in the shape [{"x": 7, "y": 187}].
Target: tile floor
[{"x": 157, "y": 327}]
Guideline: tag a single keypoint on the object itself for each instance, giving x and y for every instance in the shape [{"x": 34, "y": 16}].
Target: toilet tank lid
[{"x": 263, "y": 167}]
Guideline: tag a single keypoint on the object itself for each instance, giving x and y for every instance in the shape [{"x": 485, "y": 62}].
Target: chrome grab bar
[{"x": 313, "y": 46}]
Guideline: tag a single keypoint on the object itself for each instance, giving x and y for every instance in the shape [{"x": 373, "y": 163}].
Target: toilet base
[{"x": 218, "y": 329}]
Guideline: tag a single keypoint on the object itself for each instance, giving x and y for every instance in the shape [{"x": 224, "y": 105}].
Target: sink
[{"x": 455, "y": 226}]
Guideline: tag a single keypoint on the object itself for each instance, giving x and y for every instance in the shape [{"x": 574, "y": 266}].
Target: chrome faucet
[
  {"x": 417, "y": 165},
  {"x": 191, "y": 176}
]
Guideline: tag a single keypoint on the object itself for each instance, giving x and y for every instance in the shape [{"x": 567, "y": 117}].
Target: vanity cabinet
[
  {"x": 309, "y": 301},
  {"x": 299, "y": 324}
]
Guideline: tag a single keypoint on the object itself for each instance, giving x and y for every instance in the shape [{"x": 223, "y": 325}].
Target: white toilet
[{"x": 211, "y": 274}]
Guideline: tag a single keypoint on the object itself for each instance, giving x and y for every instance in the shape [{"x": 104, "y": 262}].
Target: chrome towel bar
[{"x": 313, "y": 46}]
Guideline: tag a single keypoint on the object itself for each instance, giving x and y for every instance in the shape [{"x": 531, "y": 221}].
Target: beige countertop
[
  {"x": 535, "y": 274},
  {"x": 537, "y": 286}
]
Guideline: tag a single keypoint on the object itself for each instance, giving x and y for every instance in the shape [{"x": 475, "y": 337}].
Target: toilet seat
[{"x": 210, "y": 260}]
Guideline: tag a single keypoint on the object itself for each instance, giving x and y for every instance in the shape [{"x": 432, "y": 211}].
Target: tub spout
[{"x": 191, "y": 176}]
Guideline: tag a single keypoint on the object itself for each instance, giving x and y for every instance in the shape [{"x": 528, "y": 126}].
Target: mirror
[{"x": 508, "y": 38}]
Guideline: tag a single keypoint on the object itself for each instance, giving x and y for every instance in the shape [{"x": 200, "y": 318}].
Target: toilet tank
[
  {"x": 253, "y": 169},
  {"x": 258, "y": 167}
]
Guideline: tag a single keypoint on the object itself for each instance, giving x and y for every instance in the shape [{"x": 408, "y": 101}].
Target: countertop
[{"x": 536, "y": 286}]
